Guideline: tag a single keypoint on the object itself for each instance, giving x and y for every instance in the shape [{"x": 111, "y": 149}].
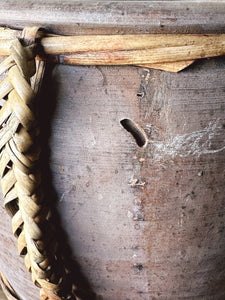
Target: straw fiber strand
[
  {"x": 7, "y": 288},
  {"x": 19, "y": 168}
]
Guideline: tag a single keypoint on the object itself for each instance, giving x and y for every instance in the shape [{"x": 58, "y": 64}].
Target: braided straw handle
[{"x": 20, "y": 172}]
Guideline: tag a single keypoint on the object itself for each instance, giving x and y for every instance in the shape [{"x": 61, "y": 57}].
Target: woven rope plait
[{"x": 19, "y": 168}]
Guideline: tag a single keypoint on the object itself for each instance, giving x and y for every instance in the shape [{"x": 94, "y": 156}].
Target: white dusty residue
[{"x": 195, "y": 143}]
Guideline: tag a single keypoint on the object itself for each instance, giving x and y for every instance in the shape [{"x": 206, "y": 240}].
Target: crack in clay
[{"x": 183, "y": 145}]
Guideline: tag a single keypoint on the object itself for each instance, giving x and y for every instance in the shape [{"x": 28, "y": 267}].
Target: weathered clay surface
[
  {"x": 162, "y": 238},
  {"x": 143, "y": 223},
  {"x": 113, "y": 17}
]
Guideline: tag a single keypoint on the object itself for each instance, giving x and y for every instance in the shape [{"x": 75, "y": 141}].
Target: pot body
[{"x": 140, "y": 222}]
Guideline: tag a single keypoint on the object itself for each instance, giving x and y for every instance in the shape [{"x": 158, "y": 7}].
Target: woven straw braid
[{"x": 20, "y": 172}]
